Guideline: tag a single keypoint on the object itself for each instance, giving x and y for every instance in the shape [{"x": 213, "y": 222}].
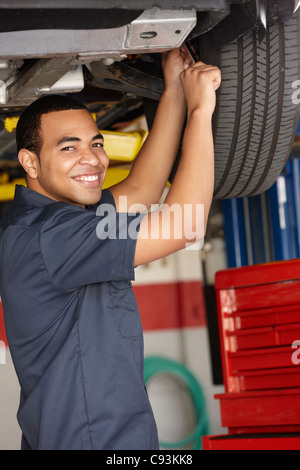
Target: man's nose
[{"x": 89, "y": 157}]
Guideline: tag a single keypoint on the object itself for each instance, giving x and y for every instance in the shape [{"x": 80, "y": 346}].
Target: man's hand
[
  {"x": 173, "y": 64},
  {"x": 206, "y": 79}
]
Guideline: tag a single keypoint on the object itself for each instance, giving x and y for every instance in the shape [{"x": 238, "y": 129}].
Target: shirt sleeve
[{"x": 81, "y": 247}]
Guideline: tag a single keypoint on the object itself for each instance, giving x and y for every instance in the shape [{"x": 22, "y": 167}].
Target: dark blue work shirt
[{"x": 73, "y": 326}]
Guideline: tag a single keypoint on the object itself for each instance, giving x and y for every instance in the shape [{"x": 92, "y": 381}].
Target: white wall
[{"x": 10, "y": 433}]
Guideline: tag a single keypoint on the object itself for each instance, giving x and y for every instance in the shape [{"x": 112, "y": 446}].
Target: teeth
[{"x": 87, "y": 178}]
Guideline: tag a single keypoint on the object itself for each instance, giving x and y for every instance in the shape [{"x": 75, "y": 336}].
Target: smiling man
[
  {"x": 71, "y": 318},
  {"x": 54, "y": 168}
]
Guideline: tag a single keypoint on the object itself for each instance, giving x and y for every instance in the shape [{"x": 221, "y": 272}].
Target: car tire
[{"x": 256, "y": 117}]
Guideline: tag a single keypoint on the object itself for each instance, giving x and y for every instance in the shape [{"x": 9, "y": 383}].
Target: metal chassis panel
[
  {"x": 169, "y": 28},
  {"x": 200, "y": 5}
]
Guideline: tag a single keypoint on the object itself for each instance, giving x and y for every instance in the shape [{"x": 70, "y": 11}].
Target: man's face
[{"x": 73, "y": 163}]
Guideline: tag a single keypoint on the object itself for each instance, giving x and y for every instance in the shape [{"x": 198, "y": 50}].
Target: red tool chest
[
  {"x": 259, "y": 324},
  {"x": 246, "y": 442}
]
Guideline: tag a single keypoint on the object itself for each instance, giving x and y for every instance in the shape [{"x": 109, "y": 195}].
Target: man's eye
[
  {"x": 98, "y": 144},
  {"x": 67, "y": 149}
]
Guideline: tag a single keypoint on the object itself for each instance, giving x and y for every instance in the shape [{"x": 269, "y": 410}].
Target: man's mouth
[{"x": 88, "y": 180}]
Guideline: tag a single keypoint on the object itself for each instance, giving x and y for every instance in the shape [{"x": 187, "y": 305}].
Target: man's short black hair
[{"x": 28, "y": 134}]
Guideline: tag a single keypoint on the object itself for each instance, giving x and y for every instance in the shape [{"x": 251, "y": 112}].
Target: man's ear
[{"x": 28, "y": 161}]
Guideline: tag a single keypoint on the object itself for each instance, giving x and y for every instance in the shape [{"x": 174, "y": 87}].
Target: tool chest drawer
[
  {"x": 269, "y": 379},
  {"x": 279, "y": 293},
  {"x": 269, "y": 408},
  {"x": 255, "y": 338},
  {"x": 265, "y": 360},
  {"x": 251, "y": 318},
  {"x": 252, "y": 442}
]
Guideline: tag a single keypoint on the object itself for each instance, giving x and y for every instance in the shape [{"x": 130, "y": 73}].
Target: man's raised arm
[
  {"x": 153, "y": 165},
  {"x": 178, "y": 222}
]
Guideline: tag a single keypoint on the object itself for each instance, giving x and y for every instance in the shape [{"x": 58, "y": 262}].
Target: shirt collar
[{"x": 28, "y": 197}]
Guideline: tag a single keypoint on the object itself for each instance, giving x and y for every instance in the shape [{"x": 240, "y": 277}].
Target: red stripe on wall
[
  {"x": 162, "y": 306},
  {"x": 169, "y": 306},
  {"x": 2, "y": 327}
]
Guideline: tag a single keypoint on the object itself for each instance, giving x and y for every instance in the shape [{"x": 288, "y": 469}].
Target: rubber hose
[{"x": 155, "y": 365}]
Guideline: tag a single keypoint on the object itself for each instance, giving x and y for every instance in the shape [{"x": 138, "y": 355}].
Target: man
[{"x": 71, "y": 318}]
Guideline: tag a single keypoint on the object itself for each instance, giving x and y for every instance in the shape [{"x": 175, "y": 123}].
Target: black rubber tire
[{"x": 255, "y": 120}]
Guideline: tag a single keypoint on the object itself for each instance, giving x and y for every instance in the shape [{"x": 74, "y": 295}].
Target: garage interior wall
[{"x": 171, "y": 296}]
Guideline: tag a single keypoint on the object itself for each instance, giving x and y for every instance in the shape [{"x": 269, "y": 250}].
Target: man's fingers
[
  {"x": 217, "y": 81},
  {"x": 204, "y": 67},
  {"x": 200, "y": 68},
  {"x": 186, "y": 57}
]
